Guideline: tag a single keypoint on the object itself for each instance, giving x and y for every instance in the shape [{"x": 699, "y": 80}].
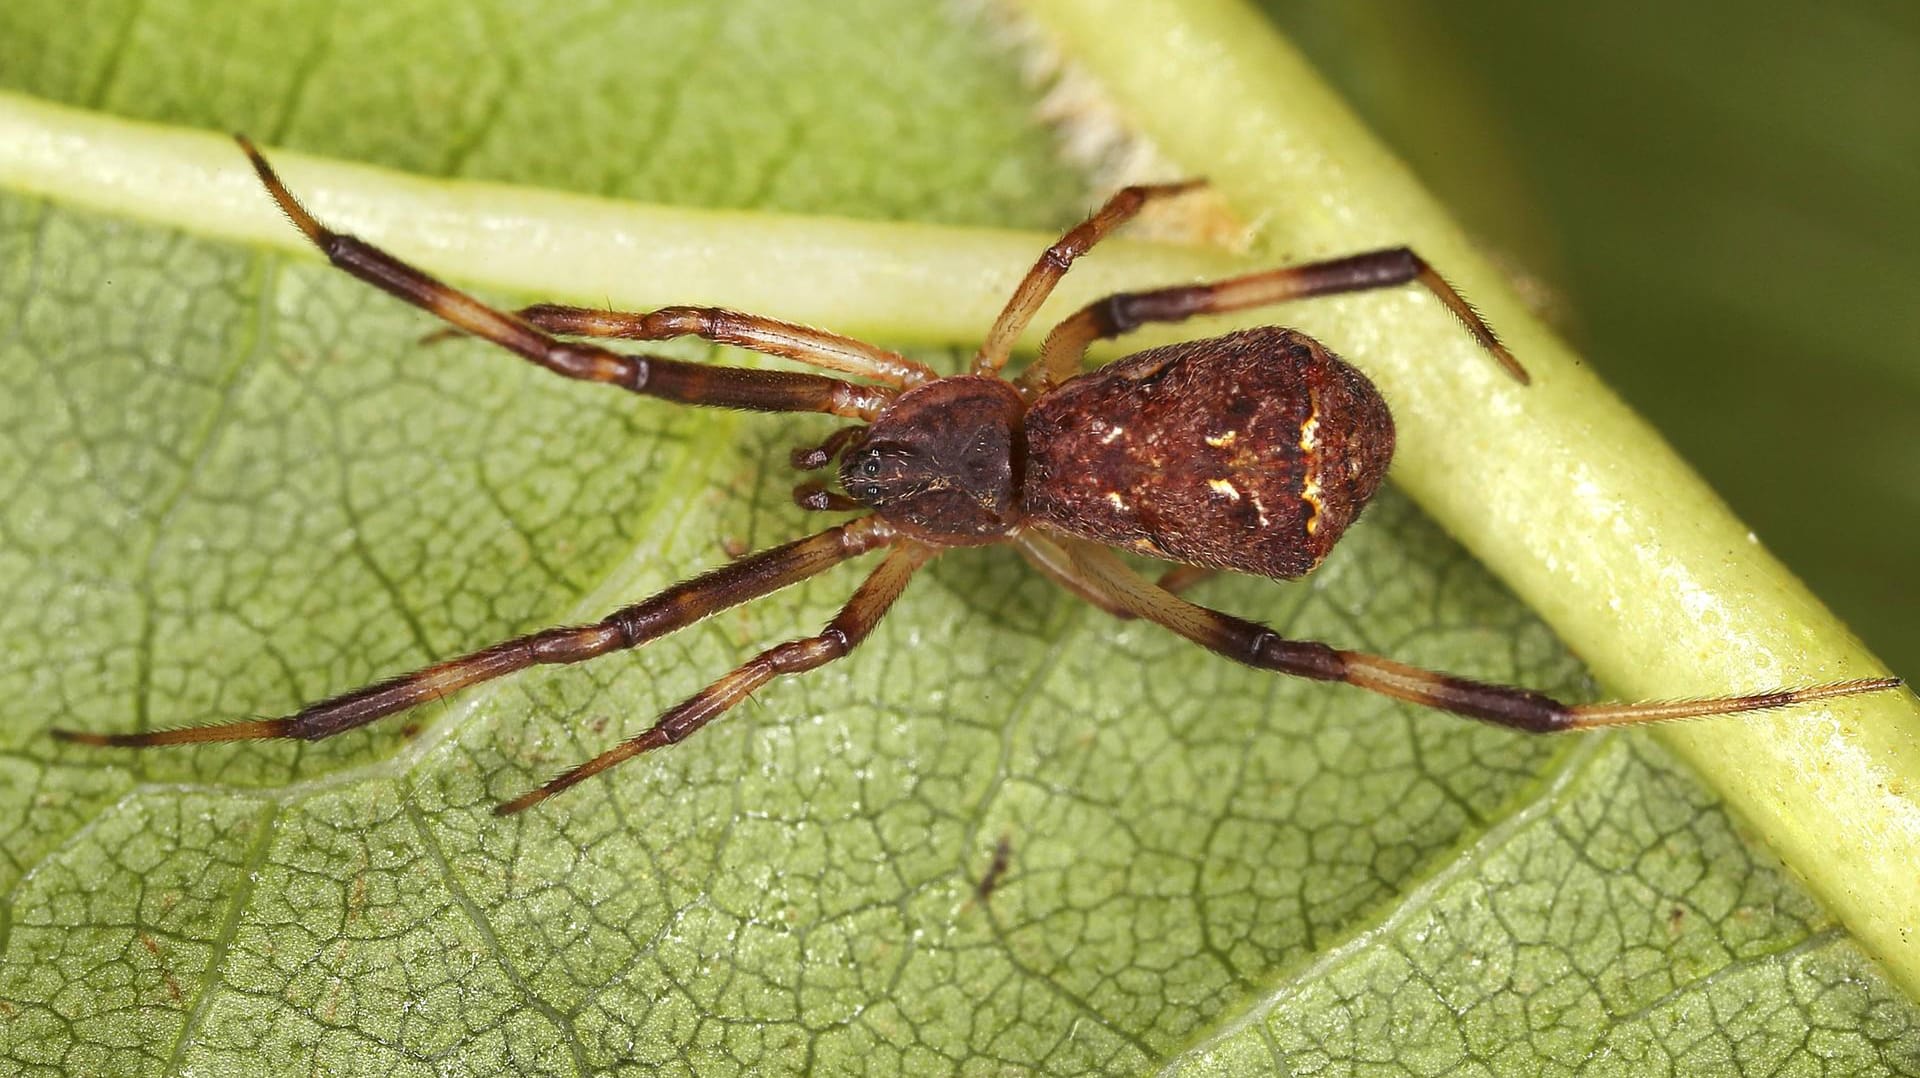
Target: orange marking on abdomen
[{"x": 1310, "y": 449}]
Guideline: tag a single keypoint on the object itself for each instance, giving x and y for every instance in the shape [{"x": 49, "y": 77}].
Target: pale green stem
[
  {"x": 898, "y": 282},
  {"x": 1571, "y": 498}
]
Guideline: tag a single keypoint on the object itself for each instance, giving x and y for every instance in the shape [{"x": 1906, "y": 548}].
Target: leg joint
[
  {"x": 1116, "y": 314},
  {"x": 1169, "y": 305},
  {"x": 1391, "y": 266},
  {"x": 685, "y": 321},
  {"x": 1060, "y": 256},
  {"x": 1523, "y": 710},
  {"x": 798, "y": 655},
  {"x": 574, "y": 644},
  {"x": 340, "y": 249},
  {"x": 592, "y": 364}
]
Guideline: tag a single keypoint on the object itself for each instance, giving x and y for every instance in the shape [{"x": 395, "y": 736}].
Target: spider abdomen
[{"x": 1251, "y": 452}]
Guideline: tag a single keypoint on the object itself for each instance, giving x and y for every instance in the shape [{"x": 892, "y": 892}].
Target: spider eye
[
  {"x": 871, "y": 491},
  {"x": 870, "y": 468}
]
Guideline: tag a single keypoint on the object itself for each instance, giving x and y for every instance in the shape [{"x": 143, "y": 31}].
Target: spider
[{"x": 1252, "y": 452}]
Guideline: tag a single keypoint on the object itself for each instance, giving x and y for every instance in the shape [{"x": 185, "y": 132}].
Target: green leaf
[{"x": 234, "y": 482}]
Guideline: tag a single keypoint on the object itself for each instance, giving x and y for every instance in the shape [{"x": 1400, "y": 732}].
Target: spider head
[{"x": 942, "y": 464}]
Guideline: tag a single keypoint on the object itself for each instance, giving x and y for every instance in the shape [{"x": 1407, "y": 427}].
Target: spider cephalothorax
[{"x": 943, "y": 463}]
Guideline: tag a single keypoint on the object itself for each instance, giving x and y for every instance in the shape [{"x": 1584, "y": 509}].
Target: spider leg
[
  {"x": 1066, "y": 346},
  {"x": 848, "y": 628},
  {"x": 753, "y": 332},
  {"x": 654, "y": 376},
  {"x": 1054, "y": 564},
  {"x": 1039, "y": 282},
  {"x": 1098, "y": 571},
  {"x": 1181, "y": 577},
  {"x": 675, "y": 608}
]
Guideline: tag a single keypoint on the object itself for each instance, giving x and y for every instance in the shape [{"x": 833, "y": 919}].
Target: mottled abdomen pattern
[{"x": 1250, "y": 452}]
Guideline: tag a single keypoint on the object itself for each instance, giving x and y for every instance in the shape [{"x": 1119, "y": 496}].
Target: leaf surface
[{"x": 233, "y": 483}]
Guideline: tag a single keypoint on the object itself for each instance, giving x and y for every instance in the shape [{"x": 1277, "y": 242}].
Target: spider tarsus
[
  {"x": 1592, "y": 715},
  {"x": 1468, "y": 315},
  {"x": 82, "y": 737},
  {"x": 288, "y": 204},
  {"x": 234, "y": 731},
  {"x": 520, "y": 804},
  {"x": 656, "y": 737}
]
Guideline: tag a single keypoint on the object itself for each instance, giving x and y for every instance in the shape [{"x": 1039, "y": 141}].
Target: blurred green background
[{"x": 1724, "y": 202}]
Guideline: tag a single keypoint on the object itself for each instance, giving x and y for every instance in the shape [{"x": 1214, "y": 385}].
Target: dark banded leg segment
[
  {"x": 753, "y": 332},
  {"x": 653, "y": 376},
  {"x": 675, "y": 608},
  {"x": 1098, "y": 571},
  {"x": 1066, "y": 347},
  {"x": 1039, "y": 282},
  {"x": 855, "y": 620}
]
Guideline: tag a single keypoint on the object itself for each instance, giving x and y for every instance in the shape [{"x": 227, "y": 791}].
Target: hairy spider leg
[
  {"x": 675, "y": 608},
  {"x": 845, "y": 632},
  {"x": 1096, "y": 571},
  {"x": 1066, "y": 346},
  {"x": 756, "y": 333},
  {"x": 654, "y": 376},
  {"x": 1176, "y": 579},
  {"x": 1039, "y": 282},
  {"x": 1053, "y": 564}
]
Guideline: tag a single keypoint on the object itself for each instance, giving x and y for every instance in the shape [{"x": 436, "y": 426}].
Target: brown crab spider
[{"x": 1251, "y": 452}]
